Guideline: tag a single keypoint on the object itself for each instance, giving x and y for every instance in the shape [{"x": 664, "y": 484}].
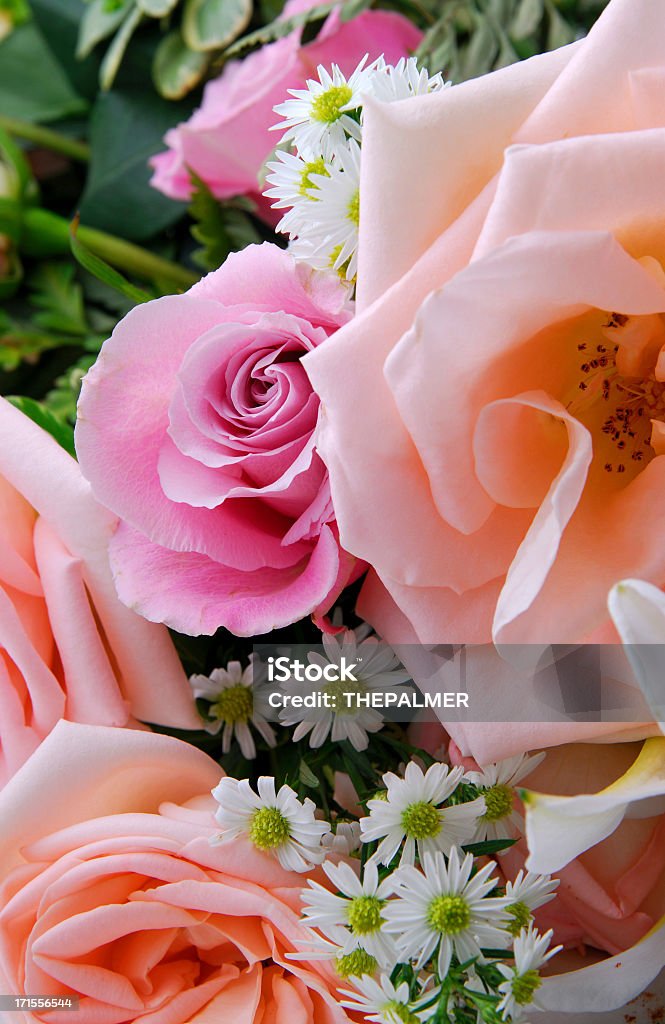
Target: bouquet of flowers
[{"x": 332, "y": 629}]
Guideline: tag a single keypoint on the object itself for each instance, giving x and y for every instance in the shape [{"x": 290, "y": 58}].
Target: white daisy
[
  {"x": 528, "y": 892},
  {"x": 293, "y": 188},
  {"x": 378, "y": 671},
  {"x": 443, "y": 908},
  {"x": 235, "y": 703},
  {"x": 277, "y": 823},
  {"x": 497, "y": 783},
  {"x": 401, "y": 81},
  {"x": 344, "y": 840},
  {"x": 328, "y": 240},
  {"x": 352, "y": 917},
  {"x": 323, "y": 116},
  {"x": 522, "y": 982},
  {"x": 382, "y": 1003},
  {"x": 412, "y": 811},
  {"x": 347, "y": 965}
]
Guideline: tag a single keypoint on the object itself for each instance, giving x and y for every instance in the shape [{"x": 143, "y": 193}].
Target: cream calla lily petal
[
  {"x": 559, "y": 828},
  {"x": 638, "y": 610},
  {"x": 610, "y": 984}
]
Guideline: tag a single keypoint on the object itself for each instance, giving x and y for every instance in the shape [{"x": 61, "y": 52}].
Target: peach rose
[
  {"x": 497, "y": 454},
  {"x": 113, "y": 893},
  {"x": 68, "y": 647}
]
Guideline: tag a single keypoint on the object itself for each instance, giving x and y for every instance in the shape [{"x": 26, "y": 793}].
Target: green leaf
[
  {"x": 56, "y": 292},
  {"x": 560, "y": 32},
  {"x": 63, "y": 433},
  {"x": 278, "y": 28},
  {"x": 43, "y": 94},
  {"x": 352, "y": 8},
  {"x": 127, "y": 127},
  {"x": 99, "y": 21},
  {"x": 107, "y": 274},
  {"x": 307, "y": 776},
  {"x": 491, "y": 846},
  {"x": 527, "y": 19},
  {"x": 157, "y": 8},
  {"x": 116, "y": 51},
  {"x": 177, "y": 69},
  {"x": 213, "y": 24},
  {"x": 59, "y": 22},
  {"x": 221, "y": 228}
]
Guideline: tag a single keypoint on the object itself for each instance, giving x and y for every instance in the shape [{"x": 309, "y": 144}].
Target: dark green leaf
[
  {"x": 213, "y": 24},
  {"x": 157, "y": 8},
  {"x": 127, "y": 128},
  {"x": 221, "y": 228},
  {"x": 100, "y": 269},
  {"x": 44, "y": 418},
  {"x": 307, "y": 776},
  {"x": 278, "y": 28},
  {"x": 116, "y": 51},
  {"x": 59, "y": 297},
  {"x": 98, "y": 22},
  {"x": 176, "y": 68},
  {"x": 489, "y": 847},
  {"x": 44, "y": 94}
]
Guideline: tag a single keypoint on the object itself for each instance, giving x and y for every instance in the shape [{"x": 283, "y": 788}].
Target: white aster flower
[
  {"x": 401, "y": 81},
  {"x": 378, "y": 671},
  {"x": 293, "y": 188},
  {"x": 328, "y": 240},
  {"x": 443, "y": 908},
  {"x": 235, "y": 703},
  {"x": 522, "y": 982},
  {"x": 528, "y": 892},
  {"x": 319, "y": 119},
  {"x": 497, "y": 783},
  {"x": 277, "y": 823},
  {"x": 382, "y": 1003},
  {"x": 344, "y": 840},
  {"x": 352, "y": 917},
  {"x": 411, "y": 811}
]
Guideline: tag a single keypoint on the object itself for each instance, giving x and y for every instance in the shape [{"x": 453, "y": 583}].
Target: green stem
[
  {"x": 45, "y": 234},
  {"x": 47, "y": 138}
]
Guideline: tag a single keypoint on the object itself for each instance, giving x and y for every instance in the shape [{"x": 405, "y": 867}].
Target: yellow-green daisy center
[
  {"x": 327, "y": 107},
  {"x": 235, "y": 704},
  {"x": 341, "y": 704},
  {"x": 269, "y": 828},
  {"x": 499, "y": 802},
  {"x": 402, "y": 1012},
  {"x": 355, "y": 964},
  {"x": 524, "y": 987},
  {"x": 449, "y": 915},
  {"x": 421, "y": 820},
  {"x": 306, "y": 183},
  {"x": 353, "y": 209},
  {"x": 364, "y": 915},
  {"x": 521, "y": 915}
]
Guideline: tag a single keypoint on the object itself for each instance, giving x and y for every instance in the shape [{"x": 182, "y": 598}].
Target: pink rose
[
  {"x": 112, "y": 891},
  {"x": 497, "y": 453},
  {"x": 196, "y": 427},
  {"x": 227, "y": 140},
  {"x": 68, "y": 648}
]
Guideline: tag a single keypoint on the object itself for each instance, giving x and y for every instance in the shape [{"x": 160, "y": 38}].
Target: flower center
[
  {"x": 365, "y": 915},
  {"x": 524, "y": 986},
  {"x": 627, "y": 410},
  {"x": 235, "y": 704},
  {"x": 327, "y": 107},
  {"x": 342, "y": 705},
  {"x": 399, "y": 1012},
  {"x": 269, "y": 828},
  {"x": 522, "y": 916},
  {"x": 355, "y": 964},
  {"x": 499, "y": 802},
  {"x": 306, "y": 183},
  {"x": 421, "y": 820},
  {"x": 353, "y": 209},
  {"x": 449, "y": 915}
]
